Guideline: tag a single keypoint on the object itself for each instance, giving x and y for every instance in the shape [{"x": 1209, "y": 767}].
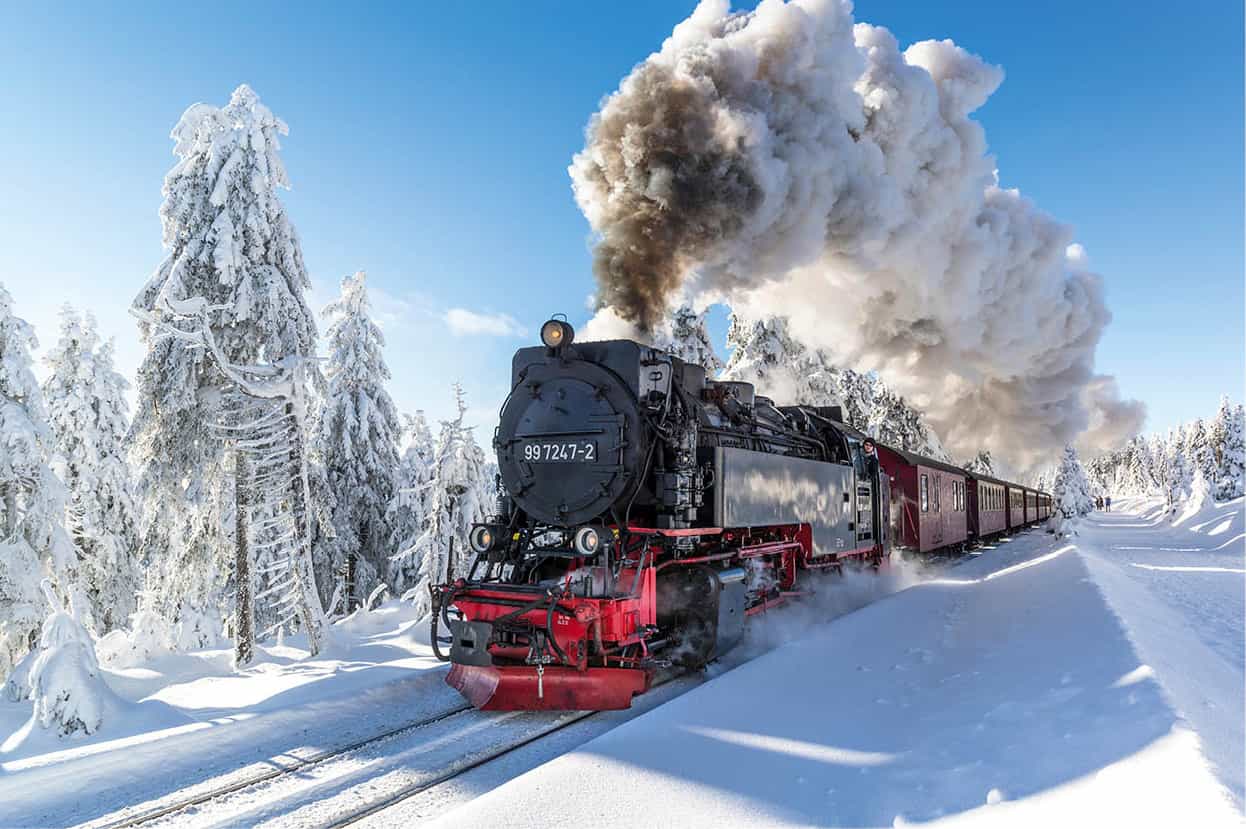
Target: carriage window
[
  {"x": 925, "y": 494},
  {"x": 938, "y": 486}
]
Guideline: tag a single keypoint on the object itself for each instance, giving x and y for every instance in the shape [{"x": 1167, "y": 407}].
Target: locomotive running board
[{"x": 521, "y": 688}]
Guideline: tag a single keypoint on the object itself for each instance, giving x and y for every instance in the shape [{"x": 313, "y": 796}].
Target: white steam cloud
[{"x": 790, "y": 162}]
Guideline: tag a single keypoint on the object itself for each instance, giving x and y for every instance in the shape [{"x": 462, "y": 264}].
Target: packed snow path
[
  {"x": 1178, "y": 590},
  {"x": 1015, "y": 690}
]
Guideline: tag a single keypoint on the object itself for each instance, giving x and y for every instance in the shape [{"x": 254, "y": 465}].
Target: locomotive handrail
[
  {"x": 556, "y": 434},
  {"x": 697, "y": 560}
]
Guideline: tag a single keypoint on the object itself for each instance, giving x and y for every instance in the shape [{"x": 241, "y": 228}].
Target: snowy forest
[
  {"x": 1200, "y": 459},
  {"x": 266, "y": 481}
]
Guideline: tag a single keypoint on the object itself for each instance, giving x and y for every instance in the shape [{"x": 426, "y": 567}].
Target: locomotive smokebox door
[{"x": 470, "y": 644}]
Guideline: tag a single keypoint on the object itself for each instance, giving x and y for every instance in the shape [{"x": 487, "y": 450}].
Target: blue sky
[{"x": 429, "y": 143}]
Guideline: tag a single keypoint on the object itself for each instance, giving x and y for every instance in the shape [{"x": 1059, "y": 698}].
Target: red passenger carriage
[{"x": 929, "y": 501}]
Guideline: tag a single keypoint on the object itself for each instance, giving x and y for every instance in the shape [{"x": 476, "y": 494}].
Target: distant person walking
[
  {"x": 1108, "y": 502},
  {"x": 1098, "y": 502}
]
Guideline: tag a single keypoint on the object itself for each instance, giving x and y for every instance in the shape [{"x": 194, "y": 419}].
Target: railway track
[
  {"x": 221, "y": 805},
  {"x": 366, "y": 811},
  {"x": 408, "y": 792},
  {"x": 168, "y": 809}
]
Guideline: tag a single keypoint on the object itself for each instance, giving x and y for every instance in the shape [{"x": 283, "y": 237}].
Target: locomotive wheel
[{"x": 688, "y": 614}]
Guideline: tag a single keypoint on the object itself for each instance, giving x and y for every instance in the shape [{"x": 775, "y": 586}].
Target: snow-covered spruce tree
[
  {"x": 68, "y": 692},
  {"x": 230, "y": 244},
  {"x": 685, "y": 336},
  {"x": 460, "y": 498},
  {"x": 87, "y": 409},
  {"x": 981, "y": 463},
  {"x": 1070, "y": 495},
  {"x": 146, "y": 638},
  {"x": 895, "y": 423},
  {"x": 357, "y": 439},
  {"x": 1178, "y": 472},
  {"x": 767, "y": 355},
  {"x": 412, "y": 497},
  {"x": 1234, "y": 464},
  {"x": 1132, "y": 474},
  {"x": 1159, "y": 463},
  {"x": 1228, "y": 446},
  {"x": 1199, "y": 451},
  {"x": 33, "y": 541}
]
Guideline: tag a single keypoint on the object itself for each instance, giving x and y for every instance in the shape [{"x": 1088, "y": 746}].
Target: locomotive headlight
[
  {"x": 587, "y": 541},
  {"x": 556, "y": 333},
  {"x": 482, "y": 538}
]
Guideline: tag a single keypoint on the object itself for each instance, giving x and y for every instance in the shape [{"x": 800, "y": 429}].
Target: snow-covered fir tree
[
  {"x": 1166, "y": 465},
  {"x": 460, "y": 497},
  {"x": 1156, "y": 448},
  {"x": 765, "y": 354},
  {"x": 409, "y": 509},
  {"x": 1228, "y": 445},
  {"x": 1070, "y": 495},
  {"x": 231, "y": 245},
  {"x": 357, "y": 439},
  {"x": 686, "y": 336},
  {"x": 982, "y": 464},
  {"x": 65, "y": 684},
  {"x": 1198, "y": 450},
  {"x": 87, "y": 409},
  {"x": 1178, "y": 468},
  {"x": 33, "y": 541}
]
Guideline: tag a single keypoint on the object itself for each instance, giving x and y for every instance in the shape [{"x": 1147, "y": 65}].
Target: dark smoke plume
[{"x": 792, "y": 163}]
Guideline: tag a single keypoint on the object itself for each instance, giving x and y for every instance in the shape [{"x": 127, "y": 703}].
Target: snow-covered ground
[
  {"x": 190, "y": 718},
  {"x": 1036, "y": 682},
  {"x": 1041, "y": 683}
]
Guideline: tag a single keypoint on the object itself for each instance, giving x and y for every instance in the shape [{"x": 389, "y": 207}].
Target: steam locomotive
[{"x": 645, "y": 511}]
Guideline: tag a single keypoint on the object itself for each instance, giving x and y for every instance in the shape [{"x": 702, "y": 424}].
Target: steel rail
[
  {"x": 448, "y": 774},
  {"x": 204, "y": 797}
]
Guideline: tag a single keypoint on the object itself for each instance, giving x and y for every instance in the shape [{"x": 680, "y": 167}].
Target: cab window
[{"x": 925, "y": 493}]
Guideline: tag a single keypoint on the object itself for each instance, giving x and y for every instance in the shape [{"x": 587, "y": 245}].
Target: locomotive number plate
[{"x": 560, "y": 451}]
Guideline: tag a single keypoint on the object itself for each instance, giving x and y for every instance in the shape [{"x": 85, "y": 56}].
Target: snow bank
[
  {"x": 179, "y": 720},
  {"x": 1008, "y": 692}
]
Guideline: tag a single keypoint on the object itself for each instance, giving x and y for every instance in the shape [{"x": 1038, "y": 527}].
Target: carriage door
[
  {"x": 865, "y": 497},
  {"x": 937, "y": 523}
]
